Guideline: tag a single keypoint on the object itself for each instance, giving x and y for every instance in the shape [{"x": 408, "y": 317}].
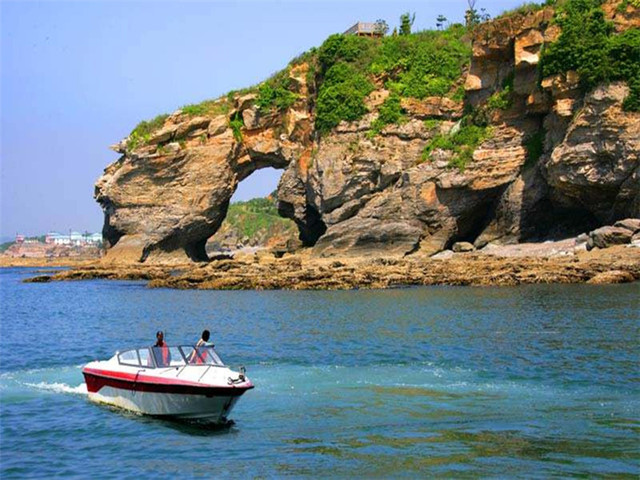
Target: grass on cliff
[
  {"x": 141, "y": 133},
  {"x": 502, "y": 99},
  {"x": 213, "y": 107},
  {"x": 461, "y": 144},
  {"x": 589, "y": 45}
]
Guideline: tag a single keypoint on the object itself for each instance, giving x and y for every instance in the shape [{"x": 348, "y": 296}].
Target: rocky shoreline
[{"x": 548, "y": 263}]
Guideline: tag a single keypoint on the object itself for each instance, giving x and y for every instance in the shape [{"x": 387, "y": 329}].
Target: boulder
[
  {"x": 245, "y": 101},
  {"x": 195, "y": 123},
  {"x": 604, "y": 237},
  {"x": 254, "y": 119},
  {"x": 582, "y": 239},
  {"x": 460, "y": 247},
  {"x": 632, "y": 224},
  {"x": 163, "y": 135},
  {"x": 217, "y": 126}
]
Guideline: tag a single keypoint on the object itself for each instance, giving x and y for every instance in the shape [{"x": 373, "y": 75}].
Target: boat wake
[
  {"x": 24, "y": 384},
  {"x": 59, "y": 387}
]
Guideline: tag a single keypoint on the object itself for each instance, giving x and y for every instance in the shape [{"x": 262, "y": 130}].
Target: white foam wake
[{"x": 60, "y": 387}]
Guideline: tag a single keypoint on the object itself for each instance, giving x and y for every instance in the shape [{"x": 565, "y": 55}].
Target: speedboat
[{"x": 184, "y": 382}]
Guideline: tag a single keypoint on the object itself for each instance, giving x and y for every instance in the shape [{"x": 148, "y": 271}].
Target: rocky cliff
[{"x": 516, "y": 157}]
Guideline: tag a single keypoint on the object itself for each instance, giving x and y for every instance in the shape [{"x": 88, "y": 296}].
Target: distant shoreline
[{"x": 9, "y": 262}]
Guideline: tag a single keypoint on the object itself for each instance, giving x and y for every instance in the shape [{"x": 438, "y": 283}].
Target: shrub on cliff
[
  {"x": 341, "y": 96},
  {"x": 502, "y": 99},
  {"x": 589, "y": 46},
  {"x": 390, "y": 111},
  {"x": 423, "y": 64},
  {"x": 357, "y": 51},
  {"x": 236, "y": 123},
  {"x": 417, "y": 65},
  {"x": 276, "y": 92},
  {"x": 461, "y": 144}
]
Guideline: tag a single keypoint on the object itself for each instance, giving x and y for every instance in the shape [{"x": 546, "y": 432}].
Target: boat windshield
[
  {"x": 204, "y": 355},
  {"x": 161, "y": 357}
]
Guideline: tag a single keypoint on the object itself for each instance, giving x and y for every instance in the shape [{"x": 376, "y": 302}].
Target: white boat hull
[{"x": 193, "y": 407}]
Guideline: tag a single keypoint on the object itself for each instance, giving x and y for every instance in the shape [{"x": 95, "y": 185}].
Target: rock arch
[{"x": 163, "y": 200}]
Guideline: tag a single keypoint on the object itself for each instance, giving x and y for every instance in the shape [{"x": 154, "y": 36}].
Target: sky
[{"x": 77, "y": 76}]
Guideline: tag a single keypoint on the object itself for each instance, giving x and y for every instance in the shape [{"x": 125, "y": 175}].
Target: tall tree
[
  {"x": 471, "y": 16},
  {"x": 440, "y": 21},
  {"x": 406, "y": 21}
]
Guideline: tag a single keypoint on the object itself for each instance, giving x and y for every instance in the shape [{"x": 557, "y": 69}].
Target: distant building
[
  {"x": 73, "y": 238},
  {"x": 19, "y": 238},
  {"x": 56, "y": 238},
  {"x": 365, "y": 29},
  {"x": 94, "y": 238}
]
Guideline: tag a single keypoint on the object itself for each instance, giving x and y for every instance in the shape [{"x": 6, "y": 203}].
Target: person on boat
[
  {"x": 161, "y": 350},
  {"x": 201, "y": 355}
]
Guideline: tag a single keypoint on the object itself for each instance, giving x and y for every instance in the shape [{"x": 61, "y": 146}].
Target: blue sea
[{"x": 528, "y": 382}]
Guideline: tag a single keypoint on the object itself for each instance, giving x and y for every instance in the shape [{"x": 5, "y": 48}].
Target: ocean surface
[{"x": 534, "y": 382}]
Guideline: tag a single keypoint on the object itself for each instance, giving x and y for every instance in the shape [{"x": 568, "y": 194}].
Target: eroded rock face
[
  {"x": 380, "y": 195},
  {"x": 596, "y": 166},
  {"x": 354, "y": 194}
]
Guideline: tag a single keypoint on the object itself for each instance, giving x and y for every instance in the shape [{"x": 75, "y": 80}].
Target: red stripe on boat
[{"x": 96, "y": 379}]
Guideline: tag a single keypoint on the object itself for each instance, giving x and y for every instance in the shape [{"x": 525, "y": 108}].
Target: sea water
[{"x": 534, "y": 381}]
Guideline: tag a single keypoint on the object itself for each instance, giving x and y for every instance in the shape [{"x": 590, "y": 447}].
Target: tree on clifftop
[
  {"x": 406, "y": 21},
  {"x": 381, "y": 27},
  {"x": 471, "y": 16}
]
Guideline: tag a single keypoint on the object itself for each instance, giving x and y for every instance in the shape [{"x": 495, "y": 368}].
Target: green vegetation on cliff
[
  {"x": 236, "y": 123},
  {"x": 588, "y": 44},
  {"x": 275, "y": 93},
  {"x": 341, "y": 96},
  {"x": 417, "y": 65},
  {"x": 389, "y": 112},
  {"x": 140, "y": 135},
  {"x": 461, "y": 143},
  {"x": 208, "y": 107}
]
